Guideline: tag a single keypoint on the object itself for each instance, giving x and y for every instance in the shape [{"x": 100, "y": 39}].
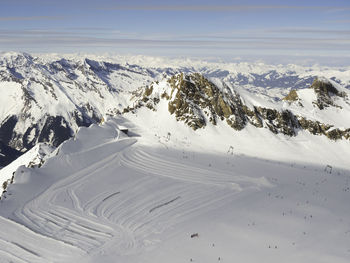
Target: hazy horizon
[{"x": 316, "y": 32}]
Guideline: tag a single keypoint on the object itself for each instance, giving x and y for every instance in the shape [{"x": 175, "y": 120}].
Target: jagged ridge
[
  {"x": 196, "y": 101},
  {"x": 47, "y": 100}
]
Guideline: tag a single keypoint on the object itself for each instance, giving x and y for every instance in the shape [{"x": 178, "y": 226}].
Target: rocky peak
[
  {"x": 324, "y": 87},
  {"x": 292, "y": 96},
  {"x": 16, "y": 59},
  {"x": 197, "y": 101},
  {"x": 325, "y": 92}
]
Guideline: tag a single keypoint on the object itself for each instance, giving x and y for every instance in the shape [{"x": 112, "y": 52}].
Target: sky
[{"x": 308, "y": 31}]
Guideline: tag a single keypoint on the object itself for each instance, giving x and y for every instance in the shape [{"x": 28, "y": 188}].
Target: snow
[
  {"x": 10, "y": 96},
  {"x": 250, "y": 195},
  {"x": 35, "y": 156},
  {"x": 98, "y": 86},
  {"x": 249, "y": 141},
  {"x": 61, "y": 87},
  {"x": 107, "y": 197},
  {"x": 336, "y": 116}
]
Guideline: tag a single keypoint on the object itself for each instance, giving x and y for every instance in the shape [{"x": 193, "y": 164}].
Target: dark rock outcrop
[
  {"x": 325, "y": 93},
  {"x": 7, "y": 154},
  {"x": 195, "y": 100}
]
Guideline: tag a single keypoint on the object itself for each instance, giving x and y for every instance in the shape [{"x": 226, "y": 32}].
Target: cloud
[
  {"x": 25, "y": 38},
  {"x": 221, "y": 8},
  {"x": 223, "y": 45},
  {"x": 29, "y": 18},
  {"x": 337, "y": 52},
  {"x": 340, "y": 21},
  {"x": 312, "y": 31}
]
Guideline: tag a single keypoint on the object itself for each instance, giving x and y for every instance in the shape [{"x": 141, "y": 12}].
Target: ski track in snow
[{"x": 123, "y": 218}]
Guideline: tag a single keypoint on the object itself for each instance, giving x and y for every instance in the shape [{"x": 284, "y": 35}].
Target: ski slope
[{"x": 107, "y": 197}]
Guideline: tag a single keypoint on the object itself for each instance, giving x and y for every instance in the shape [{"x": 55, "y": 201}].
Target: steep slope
[
  {"x": 7, "y": 154},
  {"x": 34, "y": 157},
  {"x": 46, "y": 101}
]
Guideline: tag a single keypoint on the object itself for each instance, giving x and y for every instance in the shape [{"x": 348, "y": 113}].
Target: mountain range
[
  {"x": 47, "y": 99},
  {"x": 141, "y": 159}
]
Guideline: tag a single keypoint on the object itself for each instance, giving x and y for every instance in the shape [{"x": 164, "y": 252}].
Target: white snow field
[{"x": 106, "y": 197}]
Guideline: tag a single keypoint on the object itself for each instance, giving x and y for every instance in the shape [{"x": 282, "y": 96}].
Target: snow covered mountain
[
  {"x": 47, "y": 99},
  {"x": 182, "y": 161},
  {"x": 322, "y": 109}
]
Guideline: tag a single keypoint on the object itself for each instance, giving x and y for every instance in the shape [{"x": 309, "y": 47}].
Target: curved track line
[{"x": 160, "y": 194}]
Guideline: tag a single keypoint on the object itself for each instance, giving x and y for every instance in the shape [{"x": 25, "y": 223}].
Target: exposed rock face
[
  {"x": 278, "y": 122},
  {"x": 314, "y": 127},
  {"x": 55, "y": 131},
  {"x": 292, "y": 96},
  {"x": 7, "y": 154},
  {"x": 325, "y": 93},
  {"x": 196, "y": 101},
  {"x": 6, "y": 129},
  {"x": 317, "y": 128}
]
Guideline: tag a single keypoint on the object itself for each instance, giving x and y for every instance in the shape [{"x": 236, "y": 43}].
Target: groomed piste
[{"x": 106, "y": 197}]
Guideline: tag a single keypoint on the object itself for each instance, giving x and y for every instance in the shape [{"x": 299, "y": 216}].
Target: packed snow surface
[
  {"x": 109, "y": 197},
  {"x": 163, "y": 192}
]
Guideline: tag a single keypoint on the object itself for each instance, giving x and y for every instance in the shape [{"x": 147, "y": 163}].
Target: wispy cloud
[
  {"x": 265, "y": 33},
  {"x": 89, "y": 28},
  {"x": 64, "y": 33},
  {"x": 255, "y": 47},
  {"x": 340, "y": 21},
  {"x": 221, "y": 8},
  {"x": 29, "y": 18},
  {"x": 26, "y": 38},
  {"x": 310, "y": 31}
]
